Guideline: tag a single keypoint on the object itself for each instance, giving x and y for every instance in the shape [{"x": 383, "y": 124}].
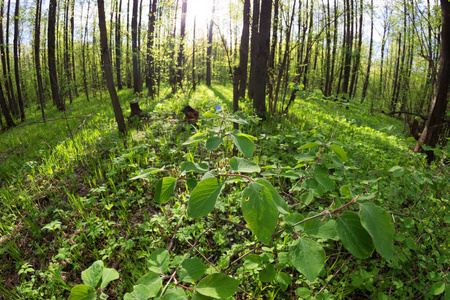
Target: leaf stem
[{"x": 237, "y": 175}]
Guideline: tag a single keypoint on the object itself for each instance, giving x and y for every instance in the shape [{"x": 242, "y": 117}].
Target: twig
[
  {"x": 175, "y": 232},
  {"x": 335, "y": 274},
  {"x": 172, "y": 277}
]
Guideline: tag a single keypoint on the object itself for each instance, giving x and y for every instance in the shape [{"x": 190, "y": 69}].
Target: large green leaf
[
  {"x": 158, "y": 261},
  {"x": 309, "y": 145},
  {"x": 146, "y": 287},
  {"x": 279, "y": 202},
  {"x": 198, "y": 137},
  {"x": 109, "y": 274},
  {"x": 397, "y": 171},
  {"x": 380, "y": 227},
  {"x": 83, "y": 292},
  {"x": 244, "y": 144},
  {"x": 326, "y": 182},
  {"x": 218, "y": 286},
  {"x": 164, "y": 189},
  {"x": 319, "y": 229},
  {"x": 204, "y": 197},
  {"x": 92, "y": 275},
  {"x": 267, "y": 274},
  {"x": 308, "y": 257},
  {"x": 190, "y": 166},
  {"x": 340, "y": 153},
  {"x": 242, "y": 165},
  {"x": 192, "y": 269},
  {"x": 353, "y": 235},
  {"x": 260, "y": 211},
  {"x": 213, "y": 142}
]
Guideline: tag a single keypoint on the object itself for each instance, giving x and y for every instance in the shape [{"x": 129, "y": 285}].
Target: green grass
[{"x": 67, "y": 201}]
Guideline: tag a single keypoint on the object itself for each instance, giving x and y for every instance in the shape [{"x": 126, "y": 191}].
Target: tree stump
[
  {"x": 135, "y": 110},
  {"x": 191, "y": 115}
]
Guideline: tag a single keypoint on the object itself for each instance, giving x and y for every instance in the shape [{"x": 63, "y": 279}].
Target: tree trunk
[
  {"x": 106, "y": 59},
  {"x": 150, "y": 54},
  {"x": 16, "y": 62},
  {"x": 253, "y": 46},
  {"x": 66, "y": 56},
  {"x": 431, "y": 133},
  {"x": 357, "y": 62},
  {"x": 13, "y": 104},
  {"x": 119, "y": 45},
  {"x": 260, "y": 76},
  {"x": 128, "y": 60},
  {"x": 37, "y": 55},
  {"x": 5, "y": 110},
  {"x": 84, "y": 54},
  {"x": 72, "y": 37},
  {"x": 243, "y": 51},
  {"x": 193, "y": 55},
  {"x": 137, "y": 85},
  {"x": 209, "y": 49},
  {"x": 180, "y": 59},
  {"x": 9, "y": 93},
  {"x": 369, "y": 59},
  {"x": 52, "y": 56}
]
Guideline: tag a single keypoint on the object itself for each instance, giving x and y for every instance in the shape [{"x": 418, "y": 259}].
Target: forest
[{"x": 224, "y": 149}]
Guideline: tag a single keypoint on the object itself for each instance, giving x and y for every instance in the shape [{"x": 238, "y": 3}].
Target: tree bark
[
  {"x": 431, "y": 133},
  {"x": 253, "y": 46},
  {"x": 259, "y": 85},
  {"x": 16, "y": 61},
  {"x": 84, "y": 54},
  {"x": 9, "y": 92},
  {"x": 118, "y": 45},
  {"x": 150, "y": 55},
  {"x": 369, "y": 59},
  {"x": 193, "y": 56},
  {"x": 13, "y": 104},
  {"x": 37, "y": 57},
  {"x": 66, "y": 56},
  {"x": 209, "y": 49},
  {"x": 137, "y": 84},
  {"x": 180, "y": 59},
  {"x": 243, "y": 51},
  {"x": 52, "y": 56},
  {"x": 106, "y": 59}
]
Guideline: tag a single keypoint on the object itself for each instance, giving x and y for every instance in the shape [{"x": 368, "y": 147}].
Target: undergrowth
[{"x": 76, "y": 196}]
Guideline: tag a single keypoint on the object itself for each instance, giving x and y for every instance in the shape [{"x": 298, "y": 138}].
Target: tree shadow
[{"x": 220, "y": 95}]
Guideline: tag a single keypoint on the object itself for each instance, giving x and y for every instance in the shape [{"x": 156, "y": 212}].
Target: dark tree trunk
[
  {"x": 209, "y": 49},
  {"x": 180, "y": 59},
  {"x": 52, "y": 56},
  {"x": 243, "y": 51},
  {"x": 66, "y": 56},
  {"x": 193, "y": 56},
  {"x": 259, "y": 84},
  {"x": 128, "y": 60},
  {"x": 357, "y": 62},
  {"x": 348, "y": 45},
  {"x": 327, "y": 89},
  {"x": 253, "y": 46},
  {"x": 150, "y": 55},
  {"x": 9, "y": 93},
  {"x": 83, "y": 53},
  {"x": 72, "y": 36},
  {"x": 271, "y": 65},
  {"x": 13, "y": 104},
  {"x": 433, "y": 128},
  {"x": 137, "y": 84},
  {"x": 5, "y": 110},
  {"x": 37, "y": 55},
  {"x": 118, "y": 45},
  {"x": 106, "y": 59},
  {"x": 16, "y": 62}
]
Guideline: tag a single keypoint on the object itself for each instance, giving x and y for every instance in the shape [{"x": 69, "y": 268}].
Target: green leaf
[
  {"x": 437, "y": 288},
  {"x": 309, "y": 145},
  {"x": 146, "y": 287},
  {"x": 252, "y": 261},
  {"x": 284, "y": 280},
  {"x": 164, "y": 189},
  {"x": 244, "y": 144},
  {"x": 109, "y": 274},
  {"x": 354, "y": 237},
  {"x": 146, "y": 173},
  {"x": 345, "y": 192},
  {"x": 218, "y": 286},
  {"x": 92, "y": 275},
  {"x": 187, "y": 166},
  {"x": 192, "y": 269},
  {"x": 380, "y": 227},
  {"x": 318, "y": 229},
  {"x": 340, "y": 153},
  {"x": 158, "y": 261},
  {"x": 326, "y": 182},
  {"x": 198, "y": 137},
  {"x": 308, "y": 257},
  {"x": 213, "y": 142},
  {"x": 279, "y": 202},
  {"x": 267, "y": 274},
  {"x": 204, "y": 196},
  {"x": 260, "y": 211},
  {"x": 83, "y": 292},
  {"x": 237, "y": 119},
  {"x": 209, "y": 114},
  {"x": 397, "y": 171},
  {"x": 243, "y": 165}
]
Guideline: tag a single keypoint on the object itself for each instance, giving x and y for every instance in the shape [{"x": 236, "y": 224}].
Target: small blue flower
[{"x": 218, "y": 107}]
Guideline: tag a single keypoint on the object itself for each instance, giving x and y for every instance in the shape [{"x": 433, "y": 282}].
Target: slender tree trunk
[
  {"x": 5, "y": 110},
  {"x": 260, "y": 76},
  {"x": 433, "y": 128},
  {"x": 193, "y": 56},
  {"x": 16, "y": 62},
  {"x": 273, "y": 47},
  {"x": 128, "y": 59},
  {"x": 137, "y": 84},
  {"x": 106, "y": 59},
  {"x": 52, "y": 56},
  {"x": 243, "y": 50},
  {"x": 72, "y": 38},
  {"x": 13, "y": 104},
  {"x": 357, "y": 62},
  {"x": 308, "y": 45},
  {"x": 119, "y": 45},
  {"x": 369, "y": 59},
  {"x": 180, "y": 60},
  {"x": 348, "y": 48},
  {"x": 66, "y": 56},
  {"x": 84, "y": 54},
  {"x": 37, "y": 57},
  {"x": 327, "y": 89},
  {"x": 9, "y": 94},
  {"x": 254, "y": 42},
  {"x": 209, "y": 49},
  {"x": 150, "y": 54}
]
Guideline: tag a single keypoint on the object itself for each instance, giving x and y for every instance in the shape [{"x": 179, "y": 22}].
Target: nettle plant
[{"x": 269, "y": 217}]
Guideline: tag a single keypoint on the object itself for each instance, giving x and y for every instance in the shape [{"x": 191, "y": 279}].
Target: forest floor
[{"x": 74, "y": 192}]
